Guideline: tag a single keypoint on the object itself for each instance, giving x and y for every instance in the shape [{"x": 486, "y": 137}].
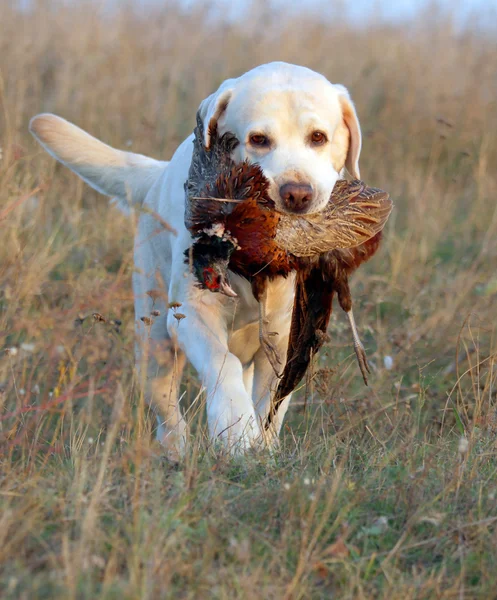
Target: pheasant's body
[
  {"x": 254, "y": 228},
  {"x": 235, "y": 225},
  {"x": 235, "y": 198},
  {"x": 315, "y": 289}
]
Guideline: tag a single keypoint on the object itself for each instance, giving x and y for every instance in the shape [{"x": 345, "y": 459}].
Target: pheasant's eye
[
  {"x": 318, "y": 138},
  {"x": 259, "y": 139},
  {"x": 212, "y": 280}
]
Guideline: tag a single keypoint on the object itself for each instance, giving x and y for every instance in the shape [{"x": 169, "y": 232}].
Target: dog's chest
[{"x": 242, "y": 314}]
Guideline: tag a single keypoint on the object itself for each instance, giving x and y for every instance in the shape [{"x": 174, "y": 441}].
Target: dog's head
[{"x": 301, "y": 129}]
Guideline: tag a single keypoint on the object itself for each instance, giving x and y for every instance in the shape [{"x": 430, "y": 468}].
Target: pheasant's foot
[
  {"x": 362, "y": 359},
  {"x": 271, "y": 351},
  {"x": 360, "y": 353}
]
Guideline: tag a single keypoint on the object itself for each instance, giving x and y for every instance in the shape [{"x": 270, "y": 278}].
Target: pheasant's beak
[{"x": 227, "y": 290}]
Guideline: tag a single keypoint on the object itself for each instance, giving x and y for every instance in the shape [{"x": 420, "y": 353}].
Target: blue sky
[
  {"x": 463, "y": 12},
  {"x": 482, "y": 12}
]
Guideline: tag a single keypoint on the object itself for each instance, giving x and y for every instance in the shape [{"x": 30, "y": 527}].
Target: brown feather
[
  {"x": 310, "y": 317},
  {"x": 354, "y": 214},
  {"x": 269, "y": 241}
]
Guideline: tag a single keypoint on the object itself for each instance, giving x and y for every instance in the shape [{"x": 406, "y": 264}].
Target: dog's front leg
[
  {"x": 265, "y": 383},
  {"x": 200, "y": 326}
]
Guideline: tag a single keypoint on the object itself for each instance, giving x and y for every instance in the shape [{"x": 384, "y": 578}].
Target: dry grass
[{"x": 371, "y": 495}]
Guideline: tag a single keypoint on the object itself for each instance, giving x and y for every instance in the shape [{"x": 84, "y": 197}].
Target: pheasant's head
[
  {"x": 209, "y": 258},
  {"x": 214, "y": 278}
]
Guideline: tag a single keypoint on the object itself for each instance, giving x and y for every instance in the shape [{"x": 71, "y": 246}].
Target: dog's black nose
[{"x": 296, "y": 196}]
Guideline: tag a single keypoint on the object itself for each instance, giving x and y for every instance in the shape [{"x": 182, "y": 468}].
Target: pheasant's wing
[
  {"x": 207, "y": 168},
  {"x": 358, "y": 221},
  {"x": 348, "y": 220},
  {"x": 216, "y": 184},
  {"x": 310, "y": 317}
]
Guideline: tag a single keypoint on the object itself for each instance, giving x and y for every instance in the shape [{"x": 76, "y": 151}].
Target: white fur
[
  {"x": 219, "y": 335},
  {"x": 124, "y": 175}
]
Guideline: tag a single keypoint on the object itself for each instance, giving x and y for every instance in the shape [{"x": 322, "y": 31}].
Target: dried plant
[{"x": 373, "y": 493}]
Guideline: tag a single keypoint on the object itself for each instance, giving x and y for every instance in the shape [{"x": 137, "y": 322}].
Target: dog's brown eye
[
  {"x": 259, "y": 140},
  {"x": 318, "y": 138}
]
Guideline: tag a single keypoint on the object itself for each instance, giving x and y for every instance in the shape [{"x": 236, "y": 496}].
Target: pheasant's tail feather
[{"x": 310, "y": 317}]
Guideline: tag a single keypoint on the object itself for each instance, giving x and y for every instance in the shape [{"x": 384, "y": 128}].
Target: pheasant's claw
[
  {"x": 269, "y": 348},
  {"x": 362, "y": 359},
  {"x": 271, "y": 353},
  {"x": 359, "y": 348}
]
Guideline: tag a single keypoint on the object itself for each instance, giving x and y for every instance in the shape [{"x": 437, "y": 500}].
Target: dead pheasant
[
  {"x": 234, "y": 224},
  {"x": 315, "y": 287}
]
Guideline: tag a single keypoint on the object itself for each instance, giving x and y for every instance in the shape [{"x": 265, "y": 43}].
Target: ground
[{"x": 388, "y": 491}]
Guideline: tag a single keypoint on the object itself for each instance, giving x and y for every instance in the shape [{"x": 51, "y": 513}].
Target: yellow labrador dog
[{"x": 303, "y": 131}]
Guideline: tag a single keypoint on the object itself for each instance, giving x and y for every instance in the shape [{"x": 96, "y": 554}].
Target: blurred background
[{"x": 423, "y": 76}]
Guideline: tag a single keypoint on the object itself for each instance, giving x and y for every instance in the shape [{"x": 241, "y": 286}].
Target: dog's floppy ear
[
  {"x": 351, "y": 121},
  {"x": 212, "y": 108}
]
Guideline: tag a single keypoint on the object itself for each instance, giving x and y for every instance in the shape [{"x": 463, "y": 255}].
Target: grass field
[{"x": 381, "y": 492}]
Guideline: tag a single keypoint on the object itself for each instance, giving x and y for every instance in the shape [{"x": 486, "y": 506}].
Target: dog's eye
[
  {"x": 318, "y": 138},
  {"x": 258, "y": 139}
]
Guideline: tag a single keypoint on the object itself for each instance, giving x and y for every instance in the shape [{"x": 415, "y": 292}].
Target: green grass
[
  {"x": 388, "y": 491},
  {"x": 347, "y": 516}
]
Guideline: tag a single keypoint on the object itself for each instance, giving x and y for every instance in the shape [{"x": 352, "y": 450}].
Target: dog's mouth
[{"x": 315, "y": 205}]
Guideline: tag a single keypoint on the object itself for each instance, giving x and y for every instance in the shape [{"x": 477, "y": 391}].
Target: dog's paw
[
  {"x": 172, "y": 439},
  {"x": 233, "y": 424}
]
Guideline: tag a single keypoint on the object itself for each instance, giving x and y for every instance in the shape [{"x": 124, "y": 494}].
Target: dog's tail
[{"x": 125, "y": 176}]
